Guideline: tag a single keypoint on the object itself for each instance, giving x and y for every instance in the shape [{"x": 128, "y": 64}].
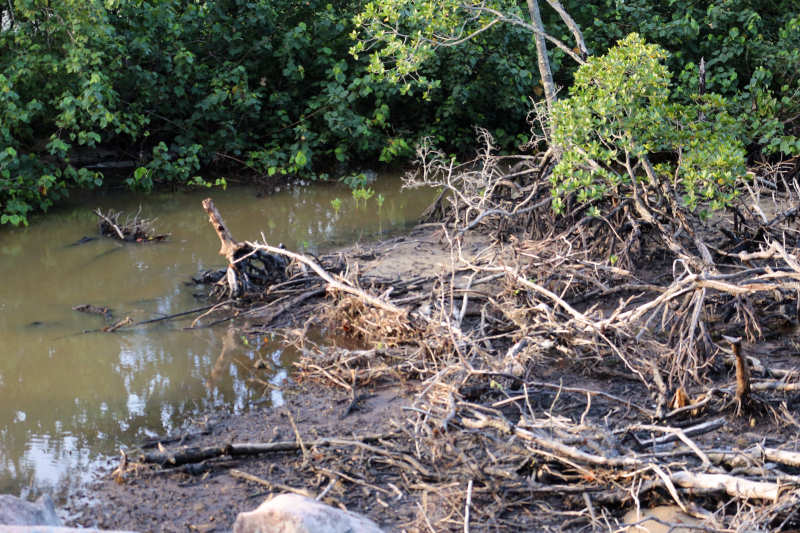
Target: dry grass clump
[{"x": 351, "y": 317}]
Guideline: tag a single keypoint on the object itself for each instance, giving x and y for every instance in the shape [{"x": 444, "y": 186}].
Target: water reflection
[{"x": 67, "y": 397}]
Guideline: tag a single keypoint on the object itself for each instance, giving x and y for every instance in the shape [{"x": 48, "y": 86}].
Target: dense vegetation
[{"x": 165, "y": 91}]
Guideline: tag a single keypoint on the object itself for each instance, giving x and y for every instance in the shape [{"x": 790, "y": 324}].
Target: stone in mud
[
  {"x": 18, "y": 512},
  {"x": 292, "y": 513}
]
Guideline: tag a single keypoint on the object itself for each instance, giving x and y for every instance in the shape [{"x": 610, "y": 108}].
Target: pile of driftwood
[
  {"x": 576, "y": 366},
  {"x": 262, "y": 280},
  {"x": 130, "y": 229}
]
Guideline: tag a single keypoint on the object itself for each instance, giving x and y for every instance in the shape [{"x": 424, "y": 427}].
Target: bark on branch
[{"x": 228, "y": 245}]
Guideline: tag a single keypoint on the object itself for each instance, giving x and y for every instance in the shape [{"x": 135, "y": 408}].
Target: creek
[{"x": 69, "y": 399}]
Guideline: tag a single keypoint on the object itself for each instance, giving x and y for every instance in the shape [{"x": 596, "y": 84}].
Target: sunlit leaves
[{"x": 619, "y": 112}]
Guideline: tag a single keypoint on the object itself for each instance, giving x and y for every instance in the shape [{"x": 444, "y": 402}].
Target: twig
[
  {"x": 177, "y": 315},
  {"x": 297, "y": 435},
  {"x": 675, "y": 433},
  {"x": 466, "y": 506},
  {"x": 269, "y": 484}
]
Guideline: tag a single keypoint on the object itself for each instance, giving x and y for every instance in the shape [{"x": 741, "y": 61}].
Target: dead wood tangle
[{"x": 562, "y": 366}]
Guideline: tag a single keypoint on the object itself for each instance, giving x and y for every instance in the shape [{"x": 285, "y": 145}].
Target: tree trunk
[{"x": 541, "y": 53}]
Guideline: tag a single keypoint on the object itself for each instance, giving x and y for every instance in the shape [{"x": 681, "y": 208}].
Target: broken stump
[{"x": 250, "y": 271}]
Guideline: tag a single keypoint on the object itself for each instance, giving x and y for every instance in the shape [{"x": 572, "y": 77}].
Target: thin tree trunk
[{"x": 541, "y": 53}]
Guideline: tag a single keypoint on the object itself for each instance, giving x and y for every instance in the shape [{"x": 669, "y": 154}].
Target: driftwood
[
  {"x": 118, "y": 324},
  {"x": 133, "y": 229},
  {"x": 186, "y": 455},
  {"x": 731, "y": 485},
  {"x": 330, "y": 280},
  {"x": 105, "y": 312},
  {"x": 279, "y": 277}
]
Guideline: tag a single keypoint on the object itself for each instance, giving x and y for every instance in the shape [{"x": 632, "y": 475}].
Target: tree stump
[{"x": 250, "y": 272}]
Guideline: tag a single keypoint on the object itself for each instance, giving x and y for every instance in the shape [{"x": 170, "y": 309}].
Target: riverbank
[
  {"x": 402, "y": 425},
  {"x": 208, "y": 496}
]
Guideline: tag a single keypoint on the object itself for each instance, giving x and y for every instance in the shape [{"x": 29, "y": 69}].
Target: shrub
[{"x": 620, "y": 112}]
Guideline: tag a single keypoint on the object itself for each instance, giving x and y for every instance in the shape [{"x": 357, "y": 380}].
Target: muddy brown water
[{"x": 69, "y": 398}]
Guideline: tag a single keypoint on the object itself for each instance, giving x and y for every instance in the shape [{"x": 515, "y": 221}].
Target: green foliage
[
  {"x": 271, "y": 86},
  {"x": 180, "y": 87},
  {"x": 55, "y": 101},
  {"x": 356, "y": 181},
  {"x": 402, "y": 52},
  {"x": 619, "y": 112},
  {"x": 751, "y": 50},
  {"x": 487, "y": 80}
]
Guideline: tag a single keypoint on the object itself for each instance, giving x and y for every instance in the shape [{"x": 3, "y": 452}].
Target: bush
[
  {"x": 619, "y": 112},
  {"x": 751, "y": 51}
]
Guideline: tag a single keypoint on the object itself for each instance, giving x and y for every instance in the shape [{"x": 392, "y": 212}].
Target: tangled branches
[
  {"x": 665, "y": 302},
  {"x": 131, "y": 229},
  {"x": 569, "y": 365},
  {"x": 681, "y": 282}
]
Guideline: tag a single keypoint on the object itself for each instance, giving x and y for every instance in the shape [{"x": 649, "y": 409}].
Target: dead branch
[
  {"x": 130, "y": 229},
  {"x": 731, "y": 485},
  {"x": 250, "y": 272},
  {"x": 184, "y": 455}
]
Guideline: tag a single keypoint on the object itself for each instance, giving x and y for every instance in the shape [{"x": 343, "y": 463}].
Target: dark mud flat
[{"x": 207, "y": 497}]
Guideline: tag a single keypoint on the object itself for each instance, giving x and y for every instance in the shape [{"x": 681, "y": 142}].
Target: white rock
[
  {"x": 18, "y": 512},
  {"x": 292, "y": 513}
]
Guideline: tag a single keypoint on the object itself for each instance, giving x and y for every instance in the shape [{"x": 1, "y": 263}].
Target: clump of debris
[{"x": 130, "y": 229}]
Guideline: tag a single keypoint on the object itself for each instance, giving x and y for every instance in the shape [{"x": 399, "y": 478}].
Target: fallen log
[{"x": 186, "y": 455}]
